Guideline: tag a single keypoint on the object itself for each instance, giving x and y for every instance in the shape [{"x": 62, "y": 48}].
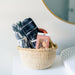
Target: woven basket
[{"x": 37, "y": 58}]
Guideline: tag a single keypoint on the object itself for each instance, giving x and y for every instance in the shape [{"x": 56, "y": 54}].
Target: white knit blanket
[{"x": 68, "y": 57}]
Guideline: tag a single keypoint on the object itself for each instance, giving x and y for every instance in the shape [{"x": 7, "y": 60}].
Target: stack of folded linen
[{"x": 68, "y": 57}]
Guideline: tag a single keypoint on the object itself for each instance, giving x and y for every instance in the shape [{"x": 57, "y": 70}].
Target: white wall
[{"x": 11, "y": 11}]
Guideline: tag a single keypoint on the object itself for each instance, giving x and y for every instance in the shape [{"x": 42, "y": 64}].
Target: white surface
[
  {"x": 68, "y": 56},
  {"x": 12, "y": 11},
  {"x": 56, "y": 69}
]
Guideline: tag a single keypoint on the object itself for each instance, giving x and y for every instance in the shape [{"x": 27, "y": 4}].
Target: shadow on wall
[{"x": 64, "y": 44}]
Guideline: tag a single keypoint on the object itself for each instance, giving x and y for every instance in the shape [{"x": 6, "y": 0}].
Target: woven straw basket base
[{"x": 37, "y": 58}]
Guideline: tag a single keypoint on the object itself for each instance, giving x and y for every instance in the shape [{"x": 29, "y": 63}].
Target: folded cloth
[
  {"x": 18, "y": 36},
  {"x": 23, "y": 43},
  {"x": 68, "y": 57},
  {"x": 28, "y": 29}
]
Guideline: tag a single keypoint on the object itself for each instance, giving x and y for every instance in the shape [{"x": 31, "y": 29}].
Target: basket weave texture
[{"x": 37, "y": 58}]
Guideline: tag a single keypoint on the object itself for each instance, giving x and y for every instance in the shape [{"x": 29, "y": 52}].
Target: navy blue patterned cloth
[
  {"x": 27, "y": 29},
  {"x": 23, "y": 43}
]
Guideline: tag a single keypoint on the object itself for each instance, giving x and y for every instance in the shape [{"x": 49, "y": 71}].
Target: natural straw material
[{"x": 37, "y": 58}]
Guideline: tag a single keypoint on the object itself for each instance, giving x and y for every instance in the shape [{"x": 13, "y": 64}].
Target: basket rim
[{"x": 30, "y": 49}]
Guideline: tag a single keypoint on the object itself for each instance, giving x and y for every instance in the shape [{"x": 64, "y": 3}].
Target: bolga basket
[{"x": 37, "y": 58}]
